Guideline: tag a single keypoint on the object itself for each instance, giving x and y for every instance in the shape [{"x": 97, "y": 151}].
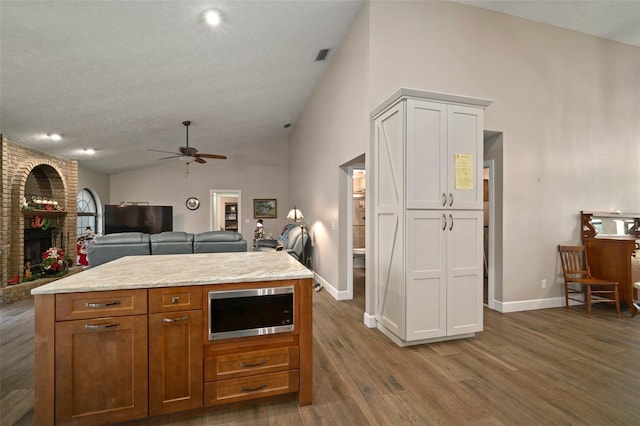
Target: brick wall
[{"x": 56, "y": 177}]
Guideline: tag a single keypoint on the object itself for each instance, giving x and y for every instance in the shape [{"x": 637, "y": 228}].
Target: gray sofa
[{"x": 113, "y": 246}]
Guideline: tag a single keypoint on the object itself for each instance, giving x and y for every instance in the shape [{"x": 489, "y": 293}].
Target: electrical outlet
[
  {"x": 544, "y": 283},
  {"x": 333, "y": 226}
]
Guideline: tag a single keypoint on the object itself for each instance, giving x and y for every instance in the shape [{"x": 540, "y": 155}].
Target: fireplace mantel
[{"x": 43, "y": 213}]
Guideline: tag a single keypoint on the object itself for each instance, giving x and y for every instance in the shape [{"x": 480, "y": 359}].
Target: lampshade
[
  {"x": 187, "y": 159},
  {"x": 295, "y": 214}
]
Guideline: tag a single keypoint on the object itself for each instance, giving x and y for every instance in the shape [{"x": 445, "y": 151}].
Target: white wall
[
  {"x": 257, "y": 171},
  {"x": 567, "y": 104},
  {"x": 331, "y": 131},
  {"x": 97, "y": 182}
]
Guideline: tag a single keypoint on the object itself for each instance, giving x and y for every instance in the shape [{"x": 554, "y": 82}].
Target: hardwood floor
[{"x": 551, "y": 366}]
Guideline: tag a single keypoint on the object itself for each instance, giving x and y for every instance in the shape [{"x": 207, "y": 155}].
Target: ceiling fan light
[{"x": 187, "y": 159}]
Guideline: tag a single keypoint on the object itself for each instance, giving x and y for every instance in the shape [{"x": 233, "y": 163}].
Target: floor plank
[{"x": 552, "y": 366}]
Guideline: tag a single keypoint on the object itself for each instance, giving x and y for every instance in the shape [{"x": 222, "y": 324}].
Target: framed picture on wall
[{"x": 265, "y": 208}]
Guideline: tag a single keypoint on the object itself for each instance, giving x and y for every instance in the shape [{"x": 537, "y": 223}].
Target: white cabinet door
[
  {"x": 464, "y": 157},
  {"x": 443, "y": 273},
  {"x": 426, "y": 166},
  {"x": 444, "y": 156},
  {"x": 464, "y": 272},
  {"x": 388, "y": 203},
  {"x": 426, "y": 274}
]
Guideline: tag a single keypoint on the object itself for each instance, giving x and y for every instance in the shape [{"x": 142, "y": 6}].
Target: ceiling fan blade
[
  {"x": 220, "y": 157},
  {"x": 173, "y": 156},
  {"x": 166, "y": 152},
  {"x": 200, "y": 160}
]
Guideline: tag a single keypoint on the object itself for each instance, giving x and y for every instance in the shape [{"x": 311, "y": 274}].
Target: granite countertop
[{"x": 133, "y": 272}]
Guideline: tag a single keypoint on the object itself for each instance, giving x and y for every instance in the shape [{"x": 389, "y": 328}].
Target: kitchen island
[{"x": 132, "y": 338}]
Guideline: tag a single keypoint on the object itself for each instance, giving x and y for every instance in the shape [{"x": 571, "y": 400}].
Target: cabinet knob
[{"x": 175, "y": 299}]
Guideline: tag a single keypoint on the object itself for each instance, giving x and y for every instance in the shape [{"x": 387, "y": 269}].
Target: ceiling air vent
[{"x": 322, "y": 55}]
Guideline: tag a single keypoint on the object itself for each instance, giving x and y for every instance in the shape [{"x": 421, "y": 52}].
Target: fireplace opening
[{"x": 36, "y": 242}]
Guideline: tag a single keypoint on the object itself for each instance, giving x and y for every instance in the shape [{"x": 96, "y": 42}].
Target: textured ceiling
[{"x": 121, "y": 76}]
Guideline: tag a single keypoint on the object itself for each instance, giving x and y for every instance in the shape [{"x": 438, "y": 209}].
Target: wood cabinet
[
  {"x": 175, "y": 349},
  {"x": 613, "y": 259},
  {"x": 612, "y": 240},
  {"x": 241, "y": 376},
  {"x": 121, "y": 355},
  {"x": 427, "y": 222},
  {"x": 101, "y": 359},
  {"x": 247, "y": 368}
]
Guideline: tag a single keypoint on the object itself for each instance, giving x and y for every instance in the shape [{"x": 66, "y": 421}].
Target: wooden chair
[{"x": 575, "y": 269}]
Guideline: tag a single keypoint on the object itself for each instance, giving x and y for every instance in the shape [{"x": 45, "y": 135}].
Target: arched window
[{"x": 87, "y": 212}]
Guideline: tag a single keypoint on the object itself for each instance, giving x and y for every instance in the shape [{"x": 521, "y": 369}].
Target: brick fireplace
[{"x": 27, "y": 174}]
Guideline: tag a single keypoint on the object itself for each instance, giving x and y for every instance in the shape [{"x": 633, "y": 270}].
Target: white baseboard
[
  {"x": 370, "y": 320},
  {"x": 531, "y": 305},
  {"x": 338, "y": 295}
]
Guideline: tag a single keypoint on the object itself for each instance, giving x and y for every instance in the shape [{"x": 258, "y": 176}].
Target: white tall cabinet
[{"x": 427, "y": 223}]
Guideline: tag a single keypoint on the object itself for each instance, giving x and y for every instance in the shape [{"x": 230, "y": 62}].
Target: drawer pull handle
[
  {"x": 103, "y": 305},
  {"x": 253, "y": 364},
  {"x": 184, "y": 318},
  {"x": 100, "y": 326},
  {"x": 257, "y": 388}
]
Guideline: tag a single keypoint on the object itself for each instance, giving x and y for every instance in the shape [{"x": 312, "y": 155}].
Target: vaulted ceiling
[{"x": 121, "y": 76}]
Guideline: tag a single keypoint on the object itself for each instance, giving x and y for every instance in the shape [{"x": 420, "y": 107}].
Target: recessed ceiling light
[
  {"x": 212, "y": 17},
  {"x": 55, "y": 137}
]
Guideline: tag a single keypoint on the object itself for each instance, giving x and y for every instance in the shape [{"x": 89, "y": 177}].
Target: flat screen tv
[{"x": 147, "y": 219}]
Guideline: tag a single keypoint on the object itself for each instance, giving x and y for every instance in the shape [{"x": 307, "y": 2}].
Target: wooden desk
[{"x": 611, "y": 259}]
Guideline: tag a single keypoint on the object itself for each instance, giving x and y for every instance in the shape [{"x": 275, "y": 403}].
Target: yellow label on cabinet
[{"x": 464, "y": 171}]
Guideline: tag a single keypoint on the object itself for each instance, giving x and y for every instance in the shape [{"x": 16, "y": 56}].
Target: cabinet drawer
[
  {"x": 250, "y": 363},
  {"x": 175, "y": 299},
  {"x": 260, "y": 386},
  {"x": 95, "y": 304}
]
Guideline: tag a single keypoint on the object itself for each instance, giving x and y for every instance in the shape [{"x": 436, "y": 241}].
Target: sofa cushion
[
  {"x": 109, "y": 247},
  {"x": 218, "y": 242},
  {"x": 218, "y": 236},
  {"x": 172, "y": 243},
  {"x": 123, "y": 238}
]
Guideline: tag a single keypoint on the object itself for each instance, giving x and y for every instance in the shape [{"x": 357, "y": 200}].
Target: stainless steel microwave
[{"x": 250, "y": 312}]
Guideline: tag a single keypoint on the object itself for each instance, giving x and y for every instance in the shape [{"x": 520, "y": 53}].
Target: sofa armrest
[{"x": 266, "y": 244}]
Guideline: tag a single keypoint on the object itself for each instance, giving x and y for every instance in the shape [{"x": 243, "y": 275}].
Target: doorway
[
  {"x": 492, "y": 207},
  {"x": 358, "y": 231},
  {"x": 219, "y": 199}
]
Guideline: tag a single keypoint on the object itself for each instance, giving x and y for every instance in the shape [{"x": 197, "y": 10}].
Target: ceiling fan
[{"x": 189, "y": 154}]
